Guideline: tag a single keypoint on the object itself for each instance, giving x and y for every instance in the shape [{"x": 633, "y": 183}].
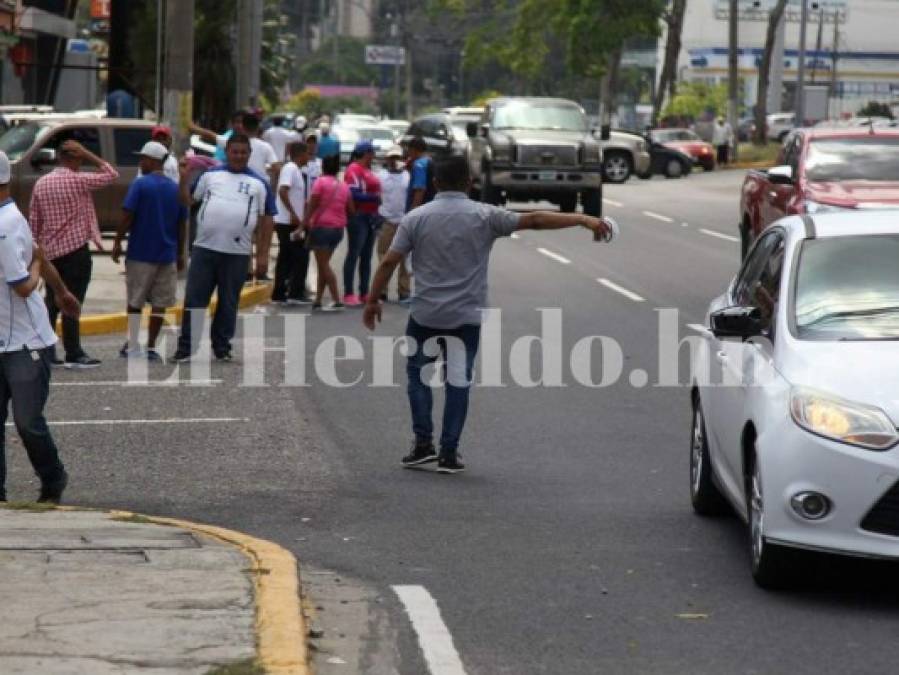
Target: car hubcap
[
  {"x": 696, "y": 451},
  {"x": 756, "y": 516},
  {"x": 674, "y": 168},
  {"x": 616, "y": 168}
]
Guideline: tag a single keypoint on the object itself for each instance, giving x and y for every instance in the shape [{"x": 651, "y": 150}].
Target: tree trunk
[
  {"x": 610, "y": 86},
  {"x": 761, "y": 102},
  {"x": 668, "y": 78}
]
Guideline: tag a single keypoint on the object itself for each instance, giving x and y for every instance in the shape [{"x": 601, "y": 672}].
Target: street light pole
[
  {"x": 179, "y": 68},
  {"x": 733, "y": 72},
  {"x": 800, "y": 79}
]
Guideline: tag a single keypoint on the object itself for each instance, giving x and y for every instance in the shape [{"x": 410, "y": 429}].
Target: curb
[
  {"x": 102, "y": 324},
  {"x": 280, "y": 624}
]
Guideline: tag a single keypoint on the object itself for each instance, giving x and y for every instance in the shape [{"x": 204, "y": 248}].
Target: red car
[
  {"x": 822, "y": 170},
  {"x": 689, "y": 143}
]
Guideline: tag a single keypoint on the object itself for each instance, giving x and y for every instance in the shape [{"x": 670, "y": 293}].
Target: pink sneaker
[{"x": 351, "y": 300}]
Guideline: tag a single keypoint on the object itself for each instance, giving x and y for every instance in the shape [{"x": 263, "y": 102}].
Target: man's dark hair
[
  {"x": 452, "y": 173},
  {"x": 295, "y": 149},
  {"x": 277, "y": 120},
  {"x": 418, "y": 143},
  {"x": 331, "y": 165},
  {"x": 237, "y": 115},
  {"x": 250, "y": 122},
  {"x": 237, "y": 138}
]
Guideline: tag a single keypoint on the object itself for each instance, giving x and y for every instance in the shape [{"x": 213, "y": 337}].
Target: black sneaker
[
  {"x": 83, "y": 362},
  {"x": 450, "y": 464},
  {"x": 181, "y": 356},
  {"x": 55, "y": 360},
  {"x": 52, "y": 494},
  {"x": 299, "y": 302},
  {"x": 421, "y": 453}
]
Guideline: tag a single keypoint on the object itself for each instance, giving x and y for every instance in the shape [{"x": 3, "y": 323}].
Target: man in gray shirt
[{"x": 451, "y": 238}]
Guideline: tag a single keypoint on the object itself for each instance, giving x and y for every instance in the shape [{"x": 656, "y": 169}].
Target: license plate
[{"x": 547, "y": 175}]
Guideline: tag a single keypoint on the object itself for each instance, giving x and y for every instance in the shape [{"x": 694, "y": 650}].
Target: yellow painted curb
[
  {"x": 280, "y": 626},
  {"x": 102, "y": 324}
]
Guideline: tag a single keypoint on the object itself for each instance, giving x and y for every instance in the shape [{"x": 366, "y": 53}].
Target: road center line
[
  {"x": 623, "y": 291},
  {"x": 720, "y": 235},
  {"x": 554, "y": 256},
  {"x": 433, "y": 635},
  {"x": 658, "y": 216},
  {"x": 136, "y": 383},
  {"x": 170, "y": 420},
  {"x": 611, "y": 202}
]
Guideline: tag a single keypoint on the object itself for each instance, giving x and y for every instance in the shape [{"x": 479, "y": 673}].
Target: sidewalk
[{"x": 88, "y": 592}]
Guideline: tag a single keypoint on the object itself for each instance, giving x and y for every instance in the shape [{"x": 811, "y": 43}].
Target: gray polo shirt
[{"x": 451, "y": 238}]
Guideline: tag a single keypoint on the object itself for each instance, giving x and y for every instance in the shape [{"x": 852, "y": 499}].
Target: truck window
[
  {"x": 89, "y": 137},
  {"x": 128, "y": 143}
]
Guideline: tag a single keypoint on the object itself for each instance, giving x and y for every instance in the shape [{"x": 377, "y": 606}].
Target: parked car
[
  {"x": 536, "y": 149},
  {"x": 689, "y": 143},
  {"x": 352, "y": 120},
  {"x": 822, "y": 170},
  {"x": 624, "y": 154},
  {"x": 380, "y": 136},
  {"x": 746, "y": 129},
  {"x": 806, "y": 450},
  {"x": 348, "y": 137},
  {"x": 445, "y": 133},
  {"x": 667, "y": 162},
  {"x": 779, "y": 125},
  {"x": 398, "y": 127},
  {"x": 32, "y": 146}
]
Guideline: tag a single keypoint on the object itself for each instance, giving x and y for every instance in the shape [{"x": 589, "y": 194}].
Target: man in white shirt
[
  {"x": 394, "y": 190},
  {"x": 279, "y": 137},
  {"x": 162, "y": 134},
  {"x": 263, "y": 159},
  {"x": 26, "y": 343},
  {"x": 293, "y": 256},
  {"x": 234, "y": 200},
  {"x": 313, "y": 167}
]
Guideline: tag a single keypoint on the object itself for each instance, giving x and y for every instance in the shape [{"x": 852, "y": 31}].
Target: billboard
[{"x": 385, "y": 55}]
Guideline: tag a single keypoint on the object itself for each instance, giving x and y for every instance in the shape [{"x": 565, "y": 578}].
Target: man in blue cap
[{"x": 362, "y": 231}]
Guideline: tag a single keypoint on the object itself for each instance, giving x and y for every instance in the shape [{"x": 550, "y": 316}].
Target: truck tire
[
  {"x": 591, "y": 200},
  {"x": 568, "y": 203},
  {"x": 617, "y": 167}
]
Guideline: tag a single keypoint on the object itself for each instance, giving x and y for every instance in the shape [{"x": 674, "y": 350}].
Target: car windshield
[
  {"x": 18, "y": 140},
  {"x": 847, "y": 288},
  {"x": 543, "y": 117},
  {"x": 669, "y": 135},
  {"x": 375, "y": 134},
  {"x": 874, "y": 158}
]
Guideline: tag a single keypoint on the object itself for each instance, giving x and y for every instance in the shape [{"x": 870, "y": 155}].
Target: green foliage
[
  {"x": 876, "y": 109},
  {"x": 278, "y": 48},
  {"x": 310, "y": 103},
  {"x": 694, "y": 99},
  {"x": 350, "y": 67},
  {"x": 482, "y": 98}
]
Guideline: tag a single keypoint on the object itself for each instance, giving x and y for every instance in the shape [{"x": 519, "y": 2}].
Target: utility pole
[
  {"x": 249, "y": 51},
  {"x": 775, "y": 89},
  {"x": 733, "y": 74},
  {"x": 178, "y": 91},
  {"x": 818, "y": 45},
  {"x": 800, "y": 79},
  {"x": 835, "y": 55}
]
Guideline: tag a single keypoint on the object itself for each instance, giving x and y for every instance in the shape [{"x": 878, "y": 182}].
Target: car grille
[
  {"x": 883, "y": 518},
  {"x": 547, "y": 155}
]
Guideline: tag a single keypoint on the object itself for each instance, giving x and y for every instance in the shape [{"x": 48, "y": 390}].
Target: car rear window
[
  {"x": 128, "y": 143},
  {"x": 875, "y": 158}
]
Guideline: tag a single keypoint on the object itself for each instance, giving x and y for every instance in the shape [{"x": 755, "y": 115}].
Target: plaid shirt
[{"x": 62, "y": 212}]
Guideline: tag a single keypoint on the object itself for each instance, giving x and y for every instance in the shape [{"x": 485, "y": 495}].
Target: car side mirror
[
  {"x": 605, "y": 132},
  {"x": 484, "y": 129},
  {"x": 43, "y": 157},
  {"x": 471, "y": 129},
  {"x": 736, "y": 322},
  {"x": 781, "y": 175}
]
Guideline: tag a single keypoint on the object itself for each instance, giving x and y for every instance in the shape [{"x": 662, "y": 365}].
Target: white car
[
  {"x": 778, "y": 125},
  {"x": 804, "y": 446}
]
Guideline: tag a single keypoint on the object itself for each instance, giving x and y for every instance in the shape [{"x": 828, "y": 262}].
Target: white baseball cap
[
  {"x": 395, "y": 151},
  {"x": 154, "y": 150},
  {"x": 5, "y": 173}
]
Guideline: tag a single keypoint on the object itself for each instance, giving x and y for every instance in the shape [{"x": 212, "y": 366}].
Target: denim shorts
[{"x": 324, "y": 238}]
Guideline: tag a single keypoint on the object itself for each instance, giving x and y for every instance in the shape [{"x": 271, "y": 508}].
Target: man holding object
[{"x": 451, "y": 238}]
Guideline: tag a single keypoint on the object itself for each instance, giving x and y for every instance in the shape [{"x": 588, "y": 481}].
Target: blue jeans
[
  {"x": 25, "y": 380},
  {"x": 210, "y": 271},
  {"x": 362, "y": 233},
  {"x": 421, "y": 399}
]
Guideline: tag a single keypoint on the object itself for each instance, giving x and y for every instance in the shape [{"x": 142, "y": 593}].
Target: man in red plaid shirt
[{"x": 63, "y": 221}]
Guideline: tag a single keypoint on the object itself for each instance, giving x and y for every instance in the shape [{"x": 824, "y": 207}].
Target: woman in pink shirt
[{"x": 329, "y": 208}]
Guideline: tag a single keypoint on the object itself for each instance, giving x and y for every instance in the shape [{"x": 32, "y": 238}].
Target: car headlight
[
  {"x": 817, "y": 207},
  {"x": 502, "y": 153},
  {"x": 844, "y": 421}
]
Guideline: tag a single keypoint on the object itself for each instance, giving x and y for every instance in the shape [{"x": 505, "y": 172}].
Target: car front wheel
[
  {"x": 616, "y": 167},
  {"x": 706, "y": 498},
  {"x": 773, "y": 567},
  {"x": 674, "y": 168}
]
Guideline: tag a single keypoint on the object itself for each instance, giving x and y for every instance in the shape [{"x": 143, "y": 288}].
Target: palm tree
[{"x": 761, "y": 102}]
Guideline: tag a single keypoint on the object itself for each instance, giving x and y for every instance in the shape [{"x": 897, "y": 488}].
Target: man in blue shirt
[
  {"x": 156, "y": 224},
  {"x": 236, "y": 128},
  {"x": 328, "y": 143},
  {"x": 421, "y": 175}
]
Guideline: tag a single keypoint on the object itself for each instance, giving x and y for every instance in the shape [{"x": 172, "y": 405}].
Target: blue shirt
[
  {"x": 220, "y": 149},
  {"x": 158, "y": 213},
  {"x": 328, "y": 146},
  {"x": 418, "y": 180}
]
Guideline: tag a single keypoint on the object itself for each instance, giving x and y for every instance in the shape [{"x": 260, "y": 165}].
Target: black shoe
[
  {"x": 421, "y": 453},
  {"x": 450, "y": 464},
  {"x": 55, "y": 360},
  {"x": 299, "y": 302},
  {"x": 82, "y": 362},
  {"x": 224, "y": 357},
  {"x": 52, "y": 494},
  {"x": 181, "y": 356},
  {"x": 383, "y": 297}
]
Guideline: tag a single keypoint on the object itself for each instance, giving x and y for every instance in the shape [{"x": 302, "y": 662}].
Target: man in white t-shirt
[
  {"x": 263, "y": 159},
  {"x": 394, "y": 190},
  {"x": 279, "y": 137},
  {"x": 26, "y": 343},
  {"x": 235, "y": 201},
  {"x": 313, "y": 167},
  {"x": 293, "y": 256}
]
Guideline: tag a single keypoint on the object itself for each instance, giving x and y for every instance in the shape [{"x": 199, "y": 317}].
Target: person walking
[
  {"x": 262, "y": 157},
  {"x": 421, "y": 174},
  {"x": 163, "y": 135},
  {"x": 362, "y": 230},
  {"x": 155, "y": 221},
  {"x": 63, "y": 221},
  {"x": 279, "y": 137},
  {"x": 236, "y": 127},
  {"x": 394, "y": 191},
  {"x": 292, "y": 265},
  {"x": 451, "y": 238},
  {"x": 722, "y": 138},
  {"x": 328, "y": 143},
  {"x": 235, "y": 202},
  {"x": 313, "y": 168},
  {"x": 330, "y": 207},
  {"x": 27, "y": 343}
]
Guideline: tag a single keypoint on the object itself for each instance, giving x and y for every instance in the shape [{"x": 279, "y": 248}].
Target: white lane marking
[
  {"x": 720, "y": 235},
  {"x": 611, "y": 202},
  {"x": 554, "y": 256},
  {"x": 658, "y": 216},
  {"x": 623, "y": 291},
  {"x": 698, "y": 327},
  {"x": 433, "y": 635},
  {"x": 514, "y": 235},
  {"x": 685, "y": 225},
  {"x": 136, "y": 383},
  {"x": 170, "y": 420}
]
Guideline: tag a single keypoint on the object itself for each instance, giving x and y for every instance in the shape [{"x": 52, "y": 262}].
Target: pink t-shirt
[{"x": 333, "y": 197}]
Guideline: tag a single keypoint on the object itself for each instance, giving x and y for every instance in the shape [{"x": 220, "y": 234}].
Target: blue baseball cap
[{"x": 364, "y": 147}]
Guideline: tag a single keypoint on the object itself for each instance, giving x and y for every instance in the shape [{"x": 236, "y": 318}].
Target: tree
[
  {"x": 278, "y": 49},
  {"x": 761, "y": 99},
  {"x": 695, "y": 99},
  {"x": 674, "y": 21},
  {"x": 876, "y": 109}
]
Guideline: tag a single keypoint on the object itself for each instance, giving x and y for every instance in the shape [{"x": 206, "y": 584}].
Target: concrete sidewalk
[{"x": 97, "y": 593}]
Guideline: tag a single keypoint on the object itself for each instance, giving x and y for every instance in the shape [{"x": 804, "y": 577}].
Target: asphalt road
[{"x": 568, "y": 547}]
